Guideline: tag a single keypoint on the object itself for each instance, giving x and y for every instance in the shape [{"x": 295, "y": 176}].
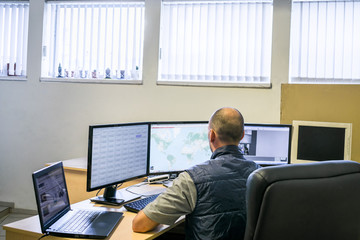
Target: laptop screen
[{"x": 51, "y": 193}]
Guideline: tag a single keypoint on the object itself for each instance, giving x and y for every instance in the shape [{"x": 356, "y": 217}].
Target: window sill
[
  {"x": 324, "y": 81},
  {"x": 13, "y": 78},
  {"x": 215, "y": 84},
  {"x": 88, "y": 80}
]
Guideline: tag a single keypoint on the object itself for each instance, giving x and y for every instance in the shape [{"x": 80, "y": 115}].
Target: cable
[
  {"x": 46, "y": 234},
  {"x": 98, "y": 192}
]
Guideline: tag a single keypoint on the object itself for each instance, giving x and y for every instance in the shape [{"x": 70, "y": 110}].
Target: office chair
[{"x": 312, "y": 201}]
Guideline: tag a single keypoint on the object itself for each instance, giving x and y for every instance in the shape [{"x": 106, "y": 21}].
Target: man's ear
[
  {"x": 243, "y": 134},
  {"x": 212, "y": 135}
]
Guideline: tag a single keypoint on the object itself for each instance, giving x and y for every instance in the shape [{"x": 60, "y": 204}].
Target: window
[
  {"x": 216, "y": 42},
  {"x": 93, "y": 41},
  {"x": 14, "y": 18},
  {"x": 325, "y": 42}
]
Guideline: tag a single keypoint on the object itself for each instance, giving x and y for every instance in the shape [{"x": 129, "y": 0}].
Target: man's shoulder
[
  {"x": 184, "y": 176},
  {"x": 184, "y": 179}
]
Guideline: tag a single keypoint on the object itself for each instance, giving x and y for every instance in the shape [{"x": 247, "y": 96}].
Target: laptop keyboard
[
  {"x": 138, "y": 205},
  {"x": 80, "y": 221}
]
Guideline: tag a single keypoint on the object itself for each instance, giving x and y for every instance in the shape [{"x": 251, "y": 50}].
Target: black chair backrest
[{"x": 312, "y": 201}]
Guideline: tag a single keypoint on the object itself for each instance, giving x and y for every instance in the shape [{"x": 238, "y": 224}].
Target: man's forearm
[{"x": 142, "y": 223}]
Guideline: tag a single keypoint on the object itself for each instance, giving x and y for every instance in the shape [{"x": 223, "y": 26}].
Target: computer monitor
[
  {"x": 321, "y": 141},
  {"x": 116, "y": 153},
  {"x": 266, "y": 144},
  {"x": 176, "y": 146}
]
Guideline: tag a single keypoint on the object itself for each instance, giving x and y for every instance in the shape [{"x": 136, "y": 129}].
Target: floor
[{"x": 7, "y": 217}]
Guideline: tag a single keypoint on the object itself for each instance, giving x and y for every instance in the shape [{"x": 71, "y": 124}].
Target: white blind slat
[
  {"x": 348, "y": 44},
  {"x": 330, "y": 29},
  {"x": 91, "y": 42},
  {"x": 112, "y": 25},
  {"x": 24, "y": 40},
  {"x": 356, "y": 39},
  {"x": 13, "y": 30},
  {"x": 106, "y": 37},
  {"x": 63, "y": 34},
  {"x": 2, "y": 39},
  {"x": 6, "y": 36},
  {"x": 71, "y": 39},
  {"x": 97, "y": 46},
  {"x": 127, "y": 39},
  {"x": 19, "y": 42}
]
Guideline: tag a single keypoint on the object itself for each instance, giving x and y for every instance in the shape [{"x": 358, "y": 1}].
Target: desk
[
  {"x": 75, "y": 171},
  {"x": 29, "y": 228},
  {"x": 75, "y": 174}
]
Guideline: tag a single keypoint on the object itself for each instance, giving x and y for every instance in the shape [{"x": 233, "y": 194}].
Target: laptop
[{"x": 56, "y": 216}]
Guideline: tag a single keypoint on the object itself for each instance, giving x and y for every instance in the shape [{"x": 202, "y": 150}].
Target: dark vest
[{"x": 220, "y": 211}]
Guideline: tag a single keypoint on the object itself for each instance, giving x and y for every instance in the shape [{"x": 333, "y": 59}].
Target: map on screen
[{"x": 175, "y": 147}]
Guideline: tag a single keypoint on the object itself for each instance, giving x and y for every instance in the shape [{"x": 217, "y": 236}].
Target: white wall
[{"x": 45, "y": 122}]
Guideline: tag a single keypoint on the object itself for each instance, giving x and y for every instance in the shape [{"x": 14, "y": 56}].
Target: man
[{"x": 211, "y": 194}]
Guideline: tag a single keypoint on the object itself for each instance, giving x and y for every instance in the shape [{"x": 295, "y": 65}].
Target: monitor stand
[{"x": 109, "y": 197}]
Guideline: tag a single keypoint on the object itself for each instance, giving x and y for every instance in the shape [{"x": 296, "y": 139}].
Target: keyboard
[
  {"x": 80, "y": 221},
  {"x": 138, "y": 205}
]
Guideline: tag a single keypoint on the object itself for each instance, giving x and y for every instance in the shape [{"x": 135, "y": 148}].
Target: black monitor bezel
[
  {"x": 164, "y": 123},
  {"x": 289, "y": 126},
  {"x": 89, "y": 157}
]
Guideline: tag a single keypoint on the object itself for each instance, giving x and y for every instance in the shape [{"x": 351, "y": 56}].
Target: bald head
[{"x": 228, "y": 123}]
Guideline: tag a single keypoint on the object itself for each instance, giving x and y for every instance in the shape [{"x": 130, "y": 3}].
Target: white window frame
[
  {"x": 251, "y": 75},
  {"x": 14, "y": 24},
  {"x": 324, "y": 46},
  {"x": 126, "y": 72}
]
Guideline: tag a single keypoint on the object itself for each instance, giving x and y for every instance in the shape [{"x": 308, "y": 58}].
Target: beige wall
[
  {"x": 44, "y": 122},
  {"x": 323, "y": 103}
]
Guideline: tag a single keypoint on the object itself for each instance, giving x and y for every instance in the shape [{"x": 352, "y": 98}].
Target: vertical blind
[
  {"x": 325, "y": 42},
  {"x": 93, "y": 39},
  {"x": 216, "y": 41},
  {"x": 14, "y": 17}
]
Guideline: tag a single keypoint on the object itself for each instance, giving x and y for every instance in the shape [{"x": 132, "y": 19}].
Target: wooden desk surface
[
  {"x": 75, "y": 174},
  {"x": 29, "y": 228}
]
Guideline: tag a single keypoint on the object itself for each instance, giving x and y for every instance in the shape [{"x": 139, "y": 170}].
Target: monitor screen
[
  {"x": 266, "y": 144},
  {"x": 176, "y": 146},
  {"x": 116, "y": 153},
  {"x": 321, "y": 141}
]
